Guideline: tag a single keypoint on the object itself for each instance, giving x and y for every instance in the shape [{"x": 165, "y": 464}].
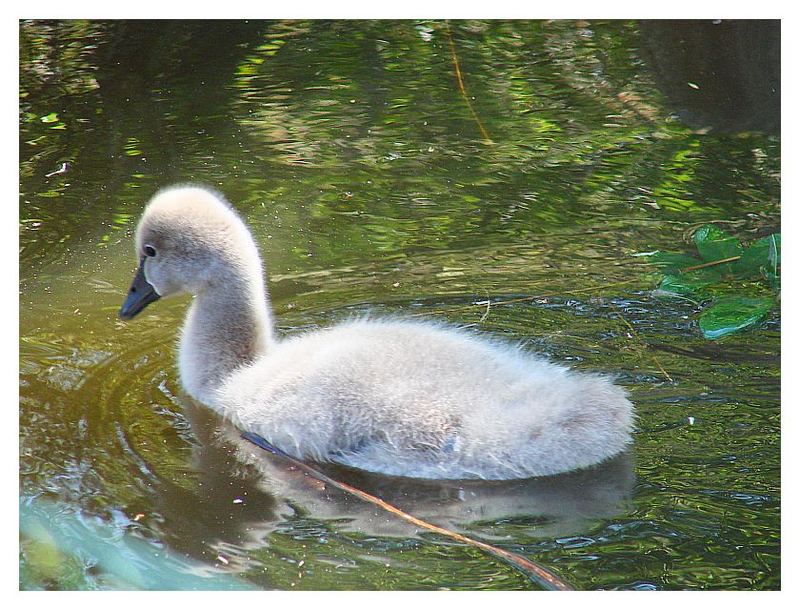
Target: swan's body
[{"x": 404, "y": 398}]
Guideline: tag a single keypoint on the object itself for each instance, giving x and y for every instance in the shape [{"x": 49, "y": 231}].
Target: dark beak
[{"x": 140, "y": 295}]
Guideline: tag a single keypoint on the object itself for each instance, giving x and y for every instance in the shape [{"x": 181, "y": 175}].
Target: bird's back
[{"x": 425, "y": 400}]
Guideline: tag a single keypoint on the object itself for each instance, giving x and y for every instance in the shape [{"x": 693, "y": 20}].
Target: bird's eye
[{"x": 149, "y": 251}]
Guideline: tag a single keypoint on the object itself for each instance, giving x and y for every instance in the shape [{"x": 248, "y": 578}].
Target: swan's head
[{"x": 188, "y": 239}]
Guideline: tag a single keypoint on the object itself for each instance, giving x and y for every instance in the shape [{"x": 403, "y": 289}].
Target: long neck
[{"x": 228, "y": 326}]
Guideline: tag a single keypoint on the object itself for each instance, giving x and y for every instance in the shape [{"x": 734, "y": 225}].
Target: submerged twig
[
  {"x": 462, "y": 88},
  {"x": 533, "y": 570},
  {"x": 711, "y": 263}
]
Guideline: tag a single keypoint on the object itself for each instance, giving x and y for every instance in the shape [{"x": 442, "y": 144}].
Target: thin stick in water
[
  {"x": 462, "y": 88},
  {"x": 536, "y": 572}
]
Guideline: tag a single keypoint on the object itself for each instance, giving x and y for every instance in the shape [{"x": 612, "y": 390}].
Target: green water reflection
[{"x": 350, "y": 150}]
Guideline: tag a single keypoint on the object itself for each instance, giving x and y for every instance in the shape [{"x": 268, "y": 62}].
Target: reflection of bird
[
  {"x": 231, "y": 468},
  {"x": 407, "y": 398}
]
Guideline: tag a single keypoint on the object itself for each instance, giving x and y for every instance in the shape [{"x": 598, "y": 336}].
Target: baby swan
[{"x": 415, "y": 399}]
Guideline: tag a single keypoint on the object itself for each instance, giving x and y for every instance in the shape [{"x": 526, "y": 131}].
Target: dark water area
[{"x": 519, "y": 206}]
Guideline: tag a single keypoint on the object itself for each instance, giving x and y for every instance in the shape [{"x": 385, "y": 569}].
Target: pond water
[{"x": 375, "y": 183}]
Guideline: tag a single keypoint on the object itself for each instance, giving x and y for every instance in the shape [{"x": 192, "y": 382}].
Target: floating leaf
[
  {"x": 672, "y": 262},
  {"x": 772, "y": 274},
  {"x": 764, "y": 253},
  {"x": 685, "y": 284},
  {"x": 732, "y": 314},
  {"x": 705, "y": 278},
  {"x": 713, "y": 244},
  {"x": 774, "y": 249},
  {"x": 49, "y": 118}
]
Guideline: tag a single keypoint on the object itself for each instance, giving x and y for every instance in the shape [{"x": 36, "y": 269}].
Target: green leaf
[
  {"x": 772, "y": 273},
  {"x": 732, "y": 314},
  {"x": 686, "y": 284},
  {"x": 713, "y": 244},
  {"x": 774, "y": 249},
  {"x": 763, "y": 253},
  {"x": 672, "y": 262}
]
